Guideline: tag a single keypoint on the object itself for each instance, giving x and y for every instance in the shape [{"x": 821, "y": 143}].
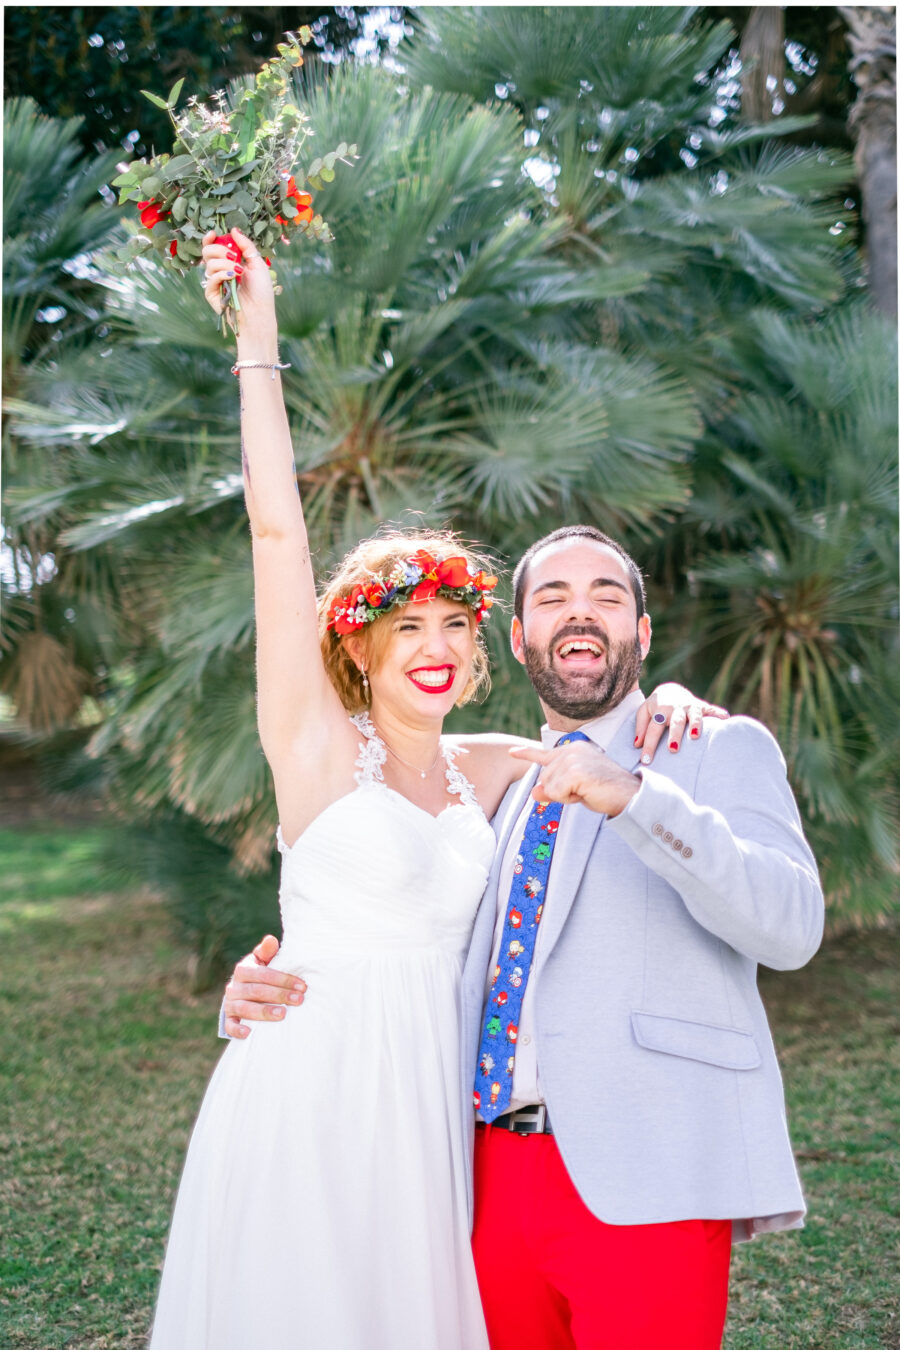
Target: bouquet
[{"x": 234, "y": 165}]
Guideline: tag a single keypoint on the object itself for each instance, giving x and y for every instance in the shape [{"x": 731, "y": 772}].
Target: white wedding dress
[{"x": 323, "y": 1200}]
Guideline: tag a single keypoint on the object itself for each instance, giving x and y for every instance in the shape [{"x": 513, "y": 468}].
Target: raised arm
[{"x": 296, "y": 701}]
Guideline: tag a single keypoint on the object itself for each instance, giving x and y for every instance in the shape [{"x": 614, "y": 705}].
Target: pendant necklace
[{"x": 423, "y": 773}]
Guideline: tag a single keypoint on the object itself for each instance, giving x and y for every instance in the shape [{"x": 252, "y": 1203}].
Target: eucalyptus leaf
[
  {"x": 247, "y": 128},
  {"x": 179, "y": 164},
  {"x": 242, "y": 170},
  {"x": 152, "y": 185},
  {"x": 179, "y": 209},
  {"x": 327, "y": 175}
]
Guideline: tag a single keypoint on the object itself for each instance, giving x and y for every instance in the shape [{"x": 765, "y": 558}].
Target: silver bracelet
[{"x": 260, "y": 365}]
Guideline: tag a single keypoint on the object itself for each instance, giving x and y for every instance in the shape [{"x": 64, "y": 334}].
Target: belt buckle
[{"x": 530, "y": 1124}]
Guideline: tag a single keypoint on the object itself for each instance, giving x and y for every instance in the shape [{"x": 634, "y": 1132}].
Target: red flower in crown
[
  {"x": 453, "y": 572},
  {"x": 426, "y": 590},
  {"x": 424, "y": 560},
  {"x": 374, "y": 593},
  {"x": 346, "y": 621},
  {"x": 151, "y": 214},
  {"x": 173, "y": 248},
  {"x": 485, "y": 582}
]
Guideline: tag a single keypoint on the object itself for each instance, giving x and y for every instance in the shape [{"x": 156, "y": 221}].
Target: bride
[{"x": 332, "y": 1140}]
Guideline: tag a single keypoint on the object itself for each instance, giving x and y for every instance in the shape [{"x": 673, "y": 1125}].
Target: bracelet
[{"x": 260, "y": 365}]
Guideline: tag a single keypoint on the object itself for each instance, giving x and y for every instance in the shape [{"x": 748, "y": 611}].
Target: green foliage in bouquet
[{"x": 233, "y": 166}]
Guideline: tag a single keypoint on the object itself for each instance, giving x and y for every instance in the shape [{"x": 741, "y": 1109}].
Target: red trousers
[{"x": 554, "y": 1277}]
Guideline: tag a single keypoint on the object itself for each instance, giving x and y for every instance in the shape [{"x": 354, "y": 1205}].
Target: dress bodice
[{"x": 376, "y": 874}]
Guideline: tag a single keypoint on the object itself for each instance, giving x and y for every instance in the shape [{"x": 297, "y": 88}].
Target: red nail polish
[
  {"x": 637, "y": 740},
  {"x": 673, "y": 745},
  {"x": 695, "y": 731}
]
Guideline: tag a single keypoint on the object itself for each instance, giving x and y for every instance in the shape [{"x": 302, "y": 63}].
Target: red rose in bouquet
[{"x": 151, "y": 214}]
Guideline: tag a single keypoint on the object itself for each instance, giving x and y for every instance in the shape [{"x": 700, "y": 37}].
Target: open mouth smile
[
  {"x": 432, "y": 679},
  {"x": 580, "y": 651}
]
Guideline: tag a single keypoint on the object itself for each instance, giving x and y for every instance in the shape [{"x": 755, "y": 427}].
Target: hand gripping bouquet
[{"x": 234, "y": 165}]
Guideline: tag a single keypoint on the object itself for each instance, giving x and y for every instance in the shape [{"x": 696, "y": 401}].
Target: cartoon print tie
[{"x": 497, "y": 1051}]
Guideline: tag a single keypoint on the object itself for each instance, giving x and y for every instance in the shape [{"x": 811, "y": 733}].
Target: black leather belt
[{"x": 527, "y": 1120}]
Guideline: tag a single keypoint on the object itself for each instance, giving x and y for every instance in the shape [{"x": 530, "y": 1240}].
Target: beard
[{"x": 581, "y": 694}]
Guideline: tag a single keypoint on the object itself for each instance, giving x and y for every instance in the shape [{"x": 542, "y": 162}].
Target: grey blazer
[{"x": 655, "y": 1057}]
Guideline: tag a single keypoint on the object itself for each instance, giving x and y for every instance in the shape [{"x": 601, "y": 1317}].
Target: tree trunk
[
  {"x": 762, "y": 58},
  {"x": 873, "y": 121}
]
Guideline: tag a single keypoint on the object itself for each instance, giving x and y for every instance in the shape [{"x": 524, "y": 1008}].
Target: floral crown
[{"x": 420, "y": 577}]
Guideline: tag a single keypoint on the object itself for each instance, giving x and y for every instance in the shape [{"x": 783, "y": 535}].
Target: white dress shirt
[{"x": 526, "y": 1088}]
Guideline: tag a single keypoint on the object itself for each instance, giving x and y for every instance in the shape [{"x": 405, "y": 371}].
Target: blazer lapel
[{"x": 582, "y": 827}]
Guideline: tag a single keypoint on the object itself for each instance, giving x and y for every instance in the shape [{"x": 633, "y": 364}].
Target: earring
[{"x": 365, "y": 681}]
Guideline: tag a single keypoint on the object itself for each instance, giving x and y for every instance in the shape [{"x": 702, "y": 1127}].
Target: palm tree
[
  {"x": 53, "y": 218},
  {"x": 798, "y": 597}
]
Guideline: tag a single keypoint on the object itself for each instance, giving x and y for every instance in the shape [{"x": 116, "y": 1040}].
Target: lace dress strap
[
  {"x": 457, "y": 782},
  {"x": 372, "y": 751}
]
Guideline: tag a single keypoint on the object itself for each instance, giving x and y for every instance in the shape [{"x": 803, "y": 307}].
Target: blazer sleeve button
[
  {"x": 657, "y": 829},
  {"x": 687, "y": 851},
  {"x": 677, "y": 845},
  {"x": 668, "y": 837}
]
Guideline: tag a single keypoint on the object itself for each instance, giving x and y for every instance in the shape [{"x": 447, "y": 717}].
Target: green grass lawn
[{"x": 105, "y": 1055}]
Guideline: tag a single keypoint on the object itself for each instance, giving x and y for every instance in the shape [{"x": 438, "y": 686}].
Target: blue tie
[{"x": 497, "y": 1051}]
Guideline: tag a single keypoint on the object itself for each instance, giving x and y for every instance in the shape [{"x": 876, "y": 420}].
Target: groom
[{"x": 631, "y": 1111}]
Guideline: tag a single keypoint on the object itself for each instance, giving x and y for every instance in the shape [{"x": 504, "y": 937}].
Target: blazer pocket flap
[{"x": 726, "y": 1047}]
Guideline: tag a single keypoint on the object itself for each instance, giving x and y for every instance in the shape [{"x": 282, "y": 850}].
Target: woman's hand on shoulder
[{"x": 670, "y": 713}]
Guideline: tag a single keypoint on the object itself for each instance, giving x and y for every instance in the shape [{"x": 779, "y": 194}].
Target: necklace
[{"x": 423, "y": 773}]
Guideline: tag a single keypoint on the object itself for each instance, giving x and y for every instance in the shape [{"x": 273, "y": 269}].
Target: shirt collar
[{"x": 600, "y": 730}]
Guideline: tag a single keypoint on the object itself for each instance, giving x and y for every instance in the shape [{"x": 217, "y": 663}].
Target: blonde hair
[{"x": 379, "y": 555}]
